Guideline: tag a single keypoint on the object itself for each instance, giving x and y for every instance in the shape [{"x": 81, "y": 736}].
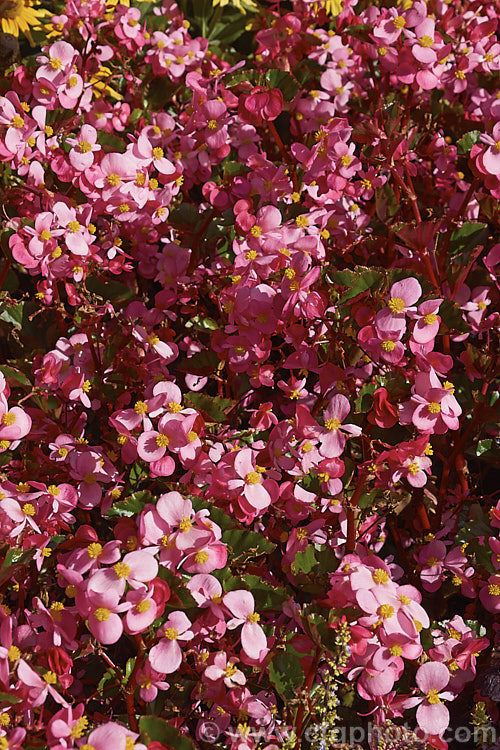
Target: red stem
[{"x": 351, "y": 514}]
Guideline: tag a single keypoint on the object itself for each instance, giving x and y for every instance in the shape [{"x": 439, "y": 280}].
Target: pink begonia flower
[
  {"x": 142, "y": 612},
  {"x": 21, "y": 513},
  {"x": 427, "y": 325},
  {"x": 404, "y": 295},
  {"x": 241, "y": 605},
  {"x": 136, "y": 568},
  {"x": 152, "y": 445},
  {"x": 212, "y": 556},
  {"x": 103, "y": 610},
  {"x": 114, "y": 736},
  {"x": 149, "y": 682},
  {"x": 225, "y": 669},
  {"x": 14, "y": 423},
  {"x": 65, "y": 724},
  {"x": 490, "y": 594},
  {"x": 37, "y": 687},
  {"x": 84, "y": 146},
  {"x": 491, "y": 157},
  {"x": 249, "y": 482},
  {"x": 166, "y": 656},
  {"x": 332, "y": 441},
  {"x": 432, "y": 716},
  {"x": 413, "y": 469}
]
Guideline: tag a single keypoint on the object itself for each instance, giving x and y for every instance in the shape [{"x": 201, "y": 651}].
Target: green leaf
[
  {"x": 7, "y": 698},
  {"x": 17, "y": 313},
  {"x": 452, "y": 317},
  {"x": 469, "y": 140},
  {"x": 266, "y": 596},
  {"x": 305, "y": 561},
  {"x": 213, "y": 406},
  {"x": 286, "y": 674},
  {"x": 365, "y": 398},
  {"x": 359, "y": 281},
  {"x": 246, "y": 544},
  {"x": 202, "y": 363},
  {"x": 13, "y": 375},
  {"x": 469, "y": 236},
  {"x": 131, "y": 506},
  {"x": 286, "y": 83},
  {"x": 367, "y": 499},
  {"x": 18, "y": 556},
  {"x": 154, "y": 729},
  {"x": 216, "y": 514},
  {"x": 110, "y": 290}
]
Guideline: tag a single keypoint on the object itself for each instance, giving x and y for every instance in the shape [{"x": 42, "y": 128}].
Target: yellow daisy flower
[{"x": 19, "y": 16}]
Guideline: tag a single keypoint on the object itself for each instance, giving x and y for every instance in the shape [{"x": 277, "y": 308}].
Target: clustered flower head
[{"x": 249, "y": 327}]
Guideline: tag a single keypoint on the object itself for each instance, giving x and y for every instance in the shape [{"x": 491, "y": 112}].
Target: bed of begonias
[{"x": 249, "y": 438}]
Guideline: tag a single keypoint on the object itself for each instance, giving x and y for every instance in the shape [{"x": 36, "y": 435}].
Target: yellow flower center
[
  {"x": 121, "y": 569},
  {"x": 426, "y": 41},
  {"x": 431, "y": 561},
  {"x": 162, "y": 441},
  {"x": 158, "y": 153},
  {"x": 102, "y": 614},
  {"x": 346, "y": 160},
  {"x": 185, "y": 524},
  {"x": 55, "y": 63},
  {"x": 380, "y": 576},
  {"x": 80, "y": 728},
  {"x": 396, "y": 305},
  {"x": 414, "y": 468},
  {"x": 251, "y": 255},
  {"x": 28, "y": 509},
  {"x": 302, "y": 221},
  {"x": 45, "y": 235},
  {"x": 56, "y": 608},
  {"x": 14, "y": 653},
  {"x": 74, "y": 226},
  {"x": 141, "y": 407},
  {"x": 192, "y": 436},
  {"x": 388, "y": 346},
  {"x": 94, "y": 550},
  {"x": 201, "y": 557},
  {"x": 171, "y": 633},
  {"x": 332, "y": 424},
  {"x": 430, "y": 319},
  {"x": 113, "y": 179},
  {"x": 434, "y": 407},
  {"x": 433, "y": 697},
  {"x": 253, "y": 477},
  {"x": 494, "y": 589},
  {"x": 4, "y": 444},
  {"x": 143, "y": 606},
  {"x": 230, "y": 670},
  {"x": 212, "y": 125},
  {"x": 8, "y": 418},
  {"x": 17, "y": 122},
  {"x": 386, "y": 611},
  {"x": 50, "y": 678},
  {"x": 399, "y": 22},
  {"x": 396, "y": 650},
  {"x": 89, "y": 478},
  {"x": 253, "y": 617}
]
